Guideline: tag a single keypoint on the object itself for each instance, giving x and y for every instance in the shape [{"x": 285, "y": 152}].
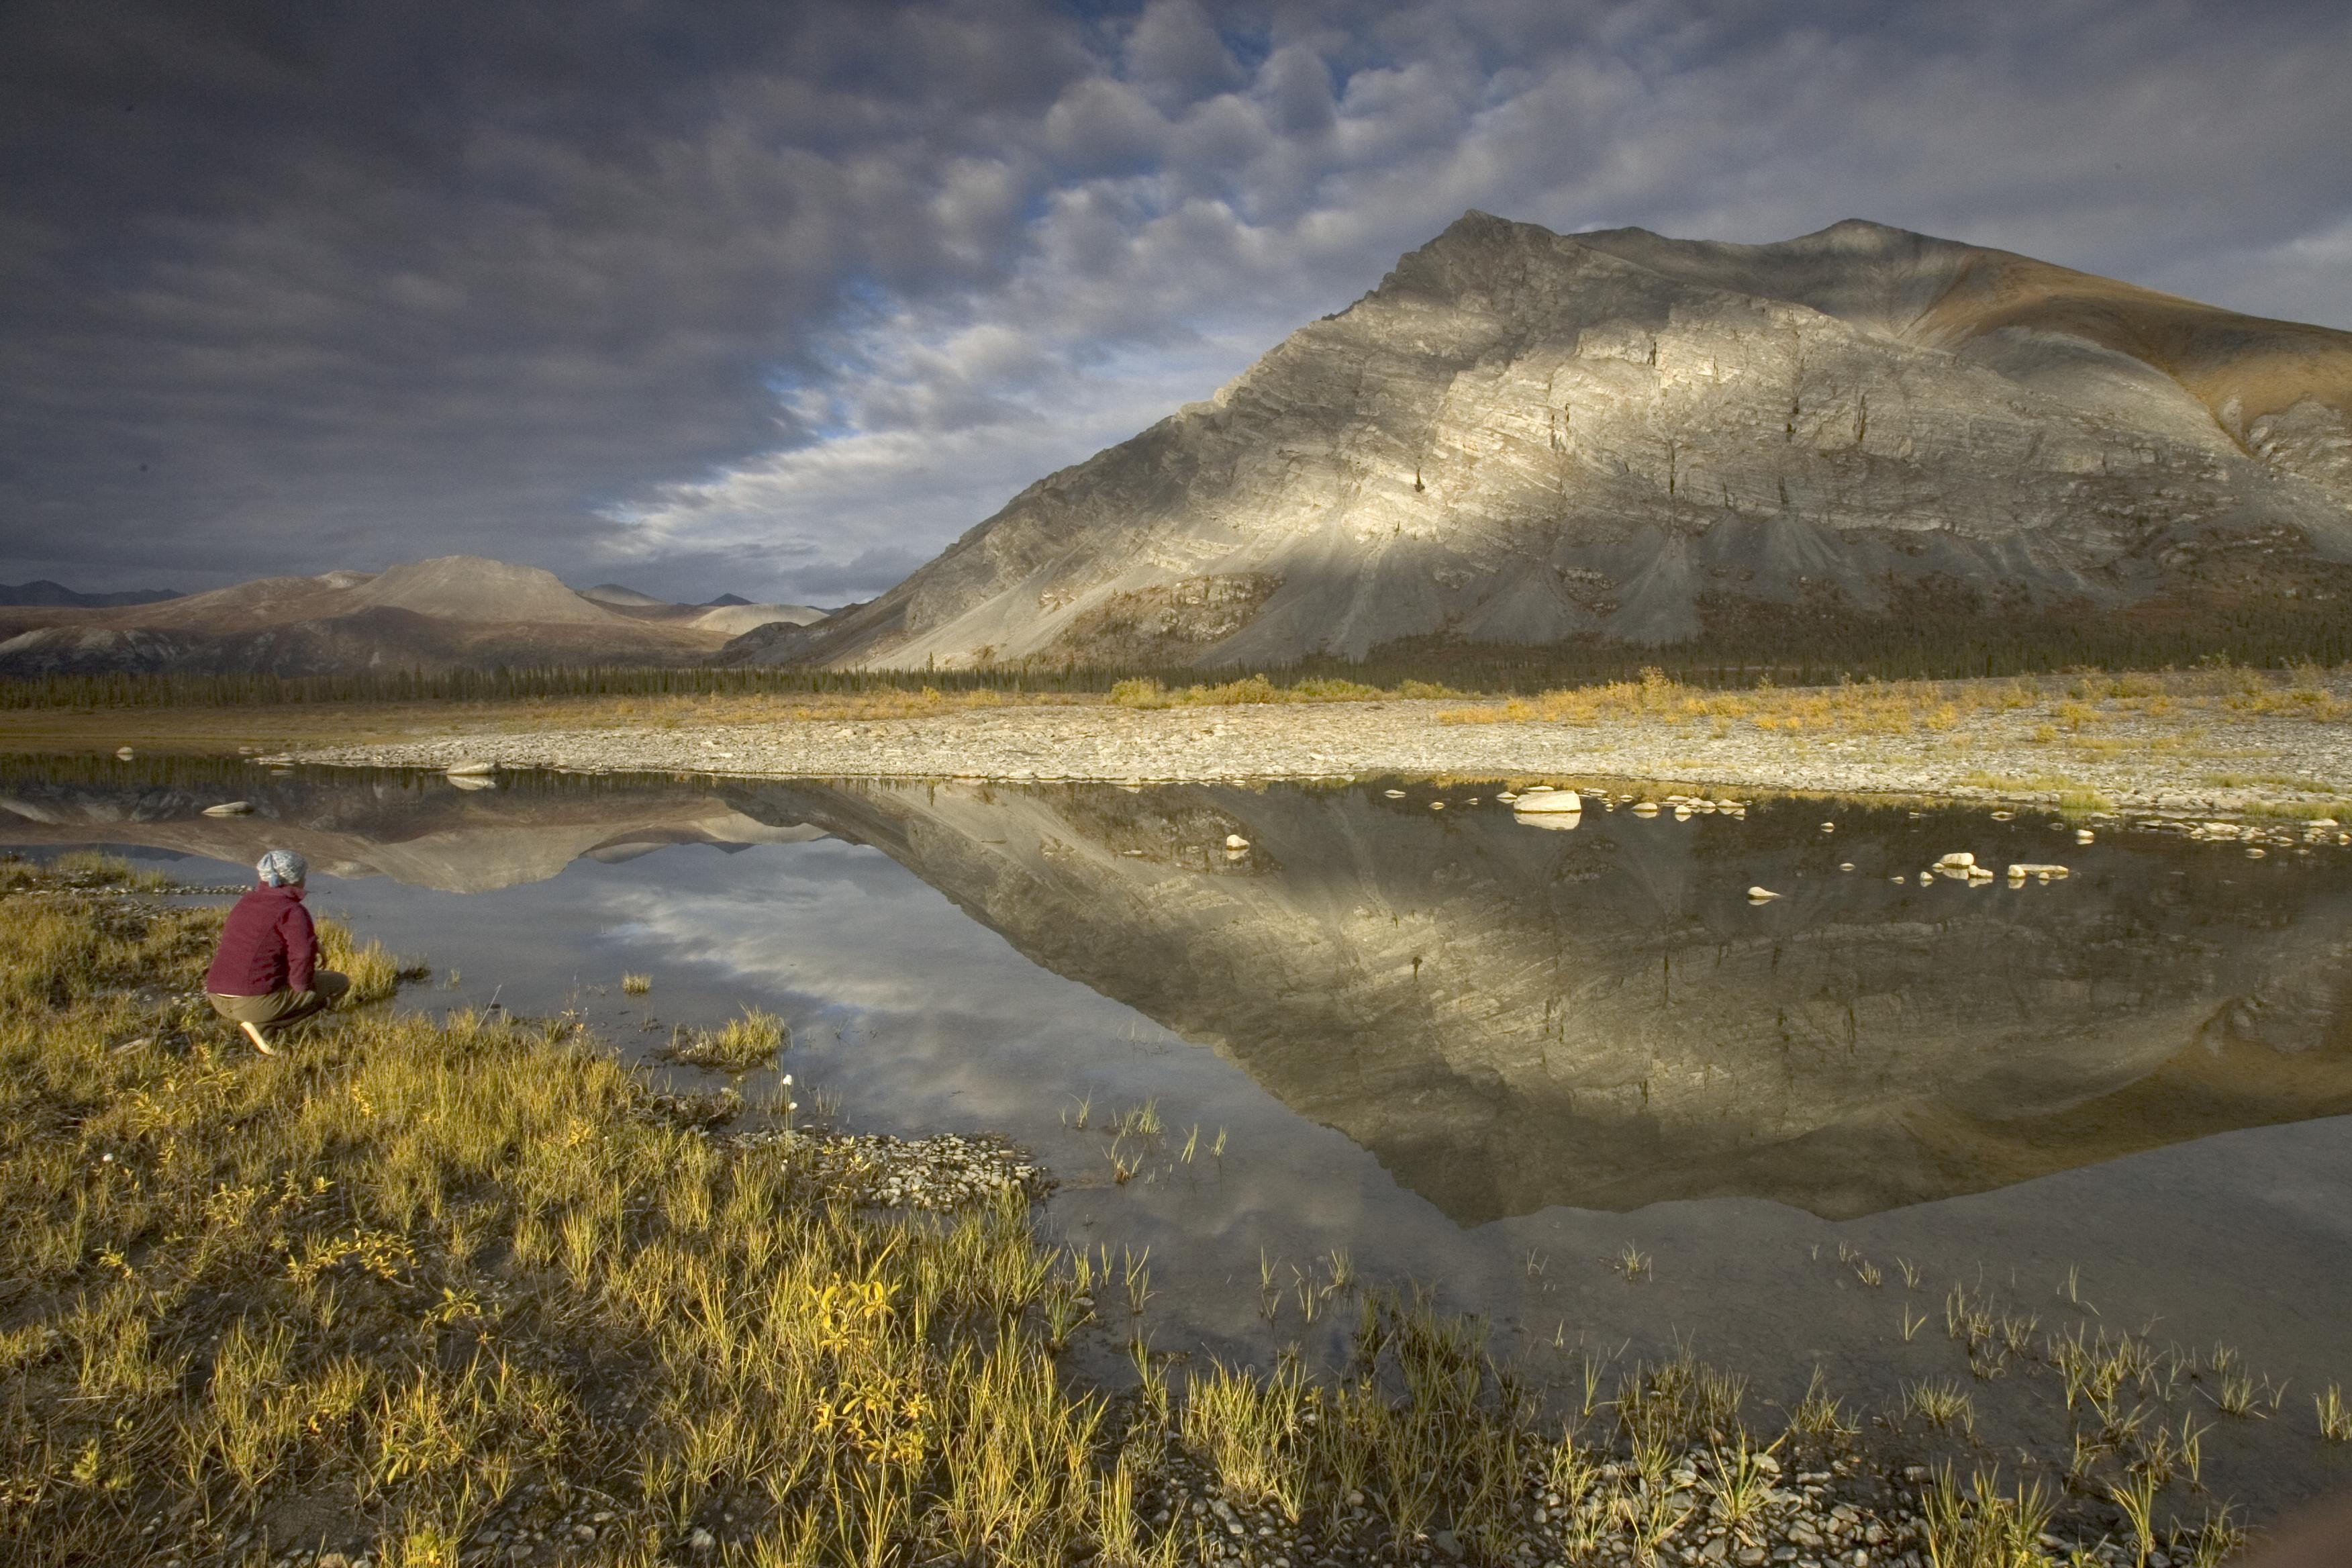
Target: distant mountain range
[
  {"x": 46, "y": 593},
  {"x": 451, "y": 612},
  {"x": 1523, "y": 438}
]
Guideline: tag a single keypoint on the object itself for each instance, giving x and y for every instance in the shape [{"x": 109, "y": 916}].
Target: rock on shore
[{"x": 2137, "y": 765}]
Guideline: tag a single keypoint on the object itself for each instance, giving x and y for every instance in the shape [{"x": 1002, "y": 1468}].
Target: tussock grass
[
  {"x": 373, "y": 973},
  {"x": 738, "y": 1044},
  {"x": 1983, "y": 1527},
  {"x": 80, "y": 869},
  {"x": 2334, "y": 1416},
  {"x": 422, "y": 1274},
  {"x": 2071, "y": 708},
  {"x": 1147, "y": 691}
]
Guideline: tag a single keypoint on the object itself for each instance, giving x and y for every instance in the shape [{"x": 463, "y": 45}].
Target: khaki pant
[{"x": 327, "y": 988}]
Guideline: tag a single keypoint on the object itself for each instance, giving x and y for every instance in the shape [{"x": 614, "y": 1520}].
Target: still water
[{"x": 1573, "y": 1081}]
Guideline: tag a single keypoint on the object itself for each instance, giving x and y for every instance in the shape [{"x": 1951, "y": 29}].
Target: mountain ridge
[
  {"x": 440, "y": 614},
  {"x": 1520, "y": 436},
  {"x": 43, "y": 592}
]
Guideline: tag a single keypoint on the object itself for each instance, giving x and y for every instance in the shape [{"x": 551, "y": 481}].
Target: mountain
[
  {"x": 734, "y": 620},
  {"x": 729, "y": 614},
  {"x": 1521, "y": 436},
  {"x": 450, "y": 611},
  {"x": 615, "y": 594},
  {"x": 44, "y": 592}
]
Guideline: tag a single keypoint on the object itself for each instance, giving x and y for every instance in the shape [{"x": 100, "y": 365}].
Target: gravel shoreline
[{"x": 2135, "y": 761}]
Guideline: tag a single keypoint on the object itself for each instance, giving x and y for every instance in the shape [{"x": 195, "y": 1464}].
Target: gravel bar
[{"x": 2142, "y": 761}]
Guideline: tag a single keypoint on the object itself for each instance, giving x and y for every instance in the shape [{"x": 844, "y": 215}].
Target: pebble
[
  {"x": 1397, "y": 738},
  {"x": 946, "y": 1171}
]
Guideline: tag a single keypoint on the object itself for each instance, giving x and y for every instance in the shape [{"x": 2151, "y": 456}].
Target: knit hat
[{"x": 279, "y": 867}]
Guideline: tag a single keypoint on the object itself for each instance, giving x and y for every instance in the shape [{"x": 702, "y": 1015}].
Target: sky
[{"x": 778, "y": 297}]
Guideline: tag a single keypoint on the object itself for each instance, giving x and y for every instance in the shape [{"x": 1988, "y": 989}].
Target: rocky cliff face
[{"x": 1521, "y": 436}]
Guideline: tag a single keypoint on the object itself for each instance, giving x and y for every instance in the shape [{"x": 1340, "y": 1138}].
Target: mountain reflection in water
[{"x": 1511, "y": 1019}]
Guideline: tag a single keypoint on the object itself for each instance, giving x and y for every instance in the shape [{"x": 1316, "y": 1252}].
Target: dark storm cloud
[{"x": 779, "y": 298}]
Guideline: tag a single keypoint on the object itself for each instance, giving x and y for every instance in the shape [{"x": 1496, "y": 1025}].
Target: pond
[{"x": 1574, "y": 1081}]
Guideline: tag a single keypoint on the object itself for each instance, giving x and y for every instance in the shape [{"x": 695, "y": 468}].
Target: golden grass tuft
[
  {"x": 1147, "y": 691},
  {"x": 374, "y": 973},
  {"x": 738, "y": 1044},
  {"x": 414, "y": 1268},
  {"x": 2070, "y": 706}
]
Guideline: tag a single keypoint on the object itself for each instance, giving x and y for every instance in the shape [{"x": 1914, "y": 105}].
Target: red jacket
[{"x": 268, "y": 945}]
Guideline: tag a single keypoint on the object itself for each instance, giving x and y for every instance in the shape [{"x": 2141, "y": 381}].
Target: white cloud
[{"x": 958, "y": 248}]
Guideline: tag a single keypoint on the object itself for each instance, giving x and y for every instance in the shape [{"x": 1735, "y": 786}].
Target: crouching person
[{"x": 266, "y": 973}]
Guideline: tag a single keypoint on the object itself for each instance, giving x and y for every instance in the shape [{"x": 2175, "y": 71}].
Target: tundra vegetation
[{"x": 438, "y": 1291}]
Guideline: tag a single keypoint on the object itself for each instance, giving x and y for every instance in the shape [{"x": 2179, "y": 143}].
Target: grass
[
  {"x": 2334, "y": 1416},
  {"x": 1147, "y": 691},
  {"x": 1982, "y": 1526},
  {"x": 423, "y": 1276},
  {"x": 637, "y": 984},
  {"x": 414, "y": 1281},
  {"x": 1942, "y": 1405},
  {"x": 739, "y": 1044},
  {"x": 2067, "y": 708},
  {"x": 80, "y": 870}
]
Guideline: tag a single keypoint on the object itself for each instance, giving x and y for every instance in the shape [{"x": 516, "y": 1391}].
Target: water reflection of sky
[{"x": 920, "y": 1017}]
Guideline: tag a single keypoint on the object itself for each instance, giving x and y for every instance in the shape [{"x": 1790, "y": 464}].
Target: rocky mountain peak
[{"x": 1522, "y": 437}]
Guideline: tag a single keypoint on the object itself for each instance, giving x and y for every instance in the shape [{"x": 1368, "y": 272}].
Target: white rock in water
[
  {"x": 124, "y": 753},
  {"x": 1550, "y": 821},
  {"x": 1959, "y": 860},
  {"x": 2256, "y": 853},
  {"x": 2003, "y": 815},
  {"x": 1235, "y": 841},
  {"x": 1506, "y": 797},
  {"x": 1926, "y": 877},
  {"x": 1829, "y": 828},
  {"x": 472, "y": 781},
  {"x": 1645, "y": 808},
  {"x": 230, "y": 808},
  {"x": 1682, "y": 813},
  {"x": 1393, "y": 793},
  {"x": 2321, "y": 822},
  {"x": 1554, "y": 800},
  {"x": 1761, "y": 895},
  {"x": 1846, "y": 865},
  {"x": 2083, "y": 835},
  {"x": 2036, "y": 868},
  {"x": 469, "y": 768}
]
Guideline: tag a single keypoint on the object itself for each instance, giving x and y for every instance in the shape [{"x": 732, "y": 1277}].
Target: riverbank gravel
[{"x": 2172, "y": 763}]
